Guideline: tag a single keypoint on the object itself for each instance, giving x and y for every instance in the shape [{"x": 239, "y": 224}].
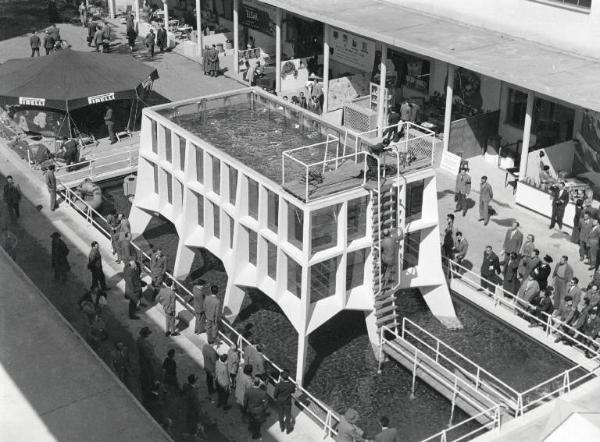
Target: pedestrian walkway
[{"x": 53, "y": 385}]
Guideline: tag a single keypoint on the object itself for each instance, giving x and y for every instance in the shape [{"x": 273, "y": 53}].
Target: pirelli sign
[
  {"x": 101, "y": 98},
  {"x": 30, "y": 101}
]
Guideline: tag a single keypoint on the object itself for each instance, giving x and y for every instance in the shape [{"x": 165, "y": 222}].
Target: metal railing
[
  {"x": 495, "y": 424},
  {"x": 511, "y": 302},
  {"x": 454, "y": 360},
  {"x": 459, "y": 386},
  {"x": 313, "y": 407},
  {"x": 90, "y": 168}
]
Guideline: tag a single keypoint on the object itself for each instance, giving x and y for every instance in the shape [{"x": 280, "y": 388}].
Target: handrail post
[
  {"x": 437, "y": 351},
  {"x": 414, "y": 376}
]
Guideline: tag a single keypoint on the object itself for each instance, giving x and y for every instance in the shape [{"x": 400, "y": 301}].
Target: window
[
  {"x": 168, "y": 146},
  {"x": 252, "y": 244},
  {"x": 216, "y": 175},
  {"x": 272, "y": 210},
  {"x": 322, "y": 279},
  {"x": 253, "y": 198},
  {"x": 357, "y": 218},
  {"x": 216, "y": 221},
  {"x": 155, "y": 167},
  {"x": 181, "y": 153},
  {"x": 169, "y": 187},
  {"x": 294, "y": 277},
  {"x": 295, "y": 225},
  {"x": 271, "y": 260},
  {"x": 200, "y": 209},
  {"x": 233, "y": 175},
  {"x": 355, "y": 269},
  {"x": 517, "y": 107},
  {"x": 231, "y": 226},
  {"x": 412, "y": 243},
  {"x": 154, "y": 136},
  {"x": 324, "y": 228},
  {"x": 414, "y": 200},
  {"x": 199, "y": 165}
]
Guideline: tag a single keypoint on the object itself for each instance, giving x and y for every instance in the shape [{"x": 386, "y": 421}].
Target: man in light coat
[
  {"x": 167, "y": 299},
  {"x": 486, "y": 194},
  {"x": 462, "y": 190},
  {"x": 212, "y": 310}
]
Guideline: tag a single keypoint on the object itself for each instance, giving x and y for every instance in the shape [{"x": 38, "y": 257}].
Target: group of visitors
[
  {"x": 540, "y": 288},
  {"x": 212, "y": 66},
  {"x": 349, "y": 431},
  {"x": 51, "y": 42}
]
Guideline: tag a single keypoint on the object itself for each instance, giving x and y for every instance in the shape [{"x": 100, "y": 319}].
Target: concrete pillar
[
  {"x": 199, "y": 28},
  {"x": 232, "y": 303},
  {"x": 381, "y": 98},
  {"x": 325, "y": 67},
  {"x": 111, "y": 9},
  {"x": 136, "y": 10},
  {"x": 278, "y": 51},
  {"x": 526, "y": 135},
  {"x": 236, "y": 36},
  {"x": 184, "y": 257},
  {"x": 301, "y": 357},
  {"x": 448, "y": 111},
  {"x": 138, "y": 221},
  {"x": 166, "y": 10}
]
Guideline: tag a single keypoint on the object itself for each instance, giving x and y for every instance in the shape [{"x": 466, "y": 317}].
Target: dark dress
[
  {"x": 60, "y": 264},
  {"x": 511, "y": 281}
]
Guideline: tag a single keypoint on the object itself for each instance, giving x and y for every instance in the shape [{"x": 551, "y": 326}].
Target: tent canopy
[{"x": 69, "y": 80}]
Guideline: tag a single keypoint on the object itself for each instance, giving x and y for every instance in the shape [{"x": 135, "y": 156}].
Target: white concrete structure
[{"x": 313, "y": 256}]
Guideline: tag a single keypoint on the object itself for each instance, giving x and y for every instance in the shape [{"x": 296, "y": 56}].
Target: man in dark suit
[
  {"x": 283, "y": 398},
  {"x": 585, "y": 228},
  {"x": 486, "y": 194},
  {"x": 199, "y": 292},
  {"x": 542, "y": 272},
  {"x": 490, "y": 268},
  {"x": 212, "y": 310},
  {"x": 386, "y": 434},
  {"x": 95, "y": 267},
  {"x": 512, "y": 240},
  {"x": 461, "y": 246},
  {"x": 461, "y": 190},
  {"x": 559, "y": 203},
  {"x": 593, "y": 243},
  {"x": 255, "y": 404}
]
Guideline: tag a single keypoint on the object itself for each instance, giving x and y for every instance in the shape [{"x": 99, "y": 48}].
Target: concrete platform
[{"x": 54, "y": 387}]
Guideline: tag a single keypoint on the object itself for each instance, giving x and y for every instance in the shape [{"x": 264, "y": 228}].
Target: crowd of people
[{"x": 540, "y": 288}]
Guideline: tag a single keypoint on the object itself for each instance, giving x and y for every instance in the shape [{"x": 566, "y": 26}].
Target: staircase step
[
  {"x": 383, "y": 295},
  {"x": 386, "y": 320},
  {"x": 385, "y": 310},
  {"x": 385, "y": 301}
]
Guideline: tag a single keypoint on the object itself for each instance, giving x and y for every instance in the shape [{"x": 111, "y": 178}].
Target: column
[
  {"x": 199, "y": 28},
  {"x": 236, "y": 36},
  {"x": 301, "y": 357},
  {"x": 325, "y": 67},
  {"x": 381, "y": 97},
  {"x": 278, "y": 51},
  {"x": 111, "y": 9},
  {"x": 166, "y": 9},
  {"x": 448, "y": 112},
  {"x": 184, "y": 258},
  {"x": 526, "y": 135},
  {"x": 136, "y": 10}
]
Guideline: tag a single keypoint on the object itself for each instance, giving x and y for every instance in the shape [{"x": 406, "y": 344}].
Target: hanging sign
[
  {"x": 351, "y": 50},
  {"x": 101, "y": 98},
  {"x": 29, "y": 101},
  {"x": 256, "y": 18}
]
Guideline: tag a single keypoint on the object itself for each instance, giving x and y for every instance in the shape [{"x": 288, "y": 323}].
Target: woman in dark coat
[
  {"x": 576, "y": 219},
  {"x": 511, "y": 281},
  {"x": 133, "y": 287},
  {"x": 60, "y": 264}
]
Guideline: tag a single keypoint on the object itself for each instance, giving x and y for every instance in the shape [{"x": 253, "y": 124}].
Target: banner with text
[{"x": 351, "y": 50}]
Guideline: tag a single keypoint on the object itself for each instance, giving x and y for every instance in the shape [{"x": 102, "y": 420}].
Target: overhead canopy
[
  {"x": 69, "y": 80},
  {"x": 543, "y": 69}
]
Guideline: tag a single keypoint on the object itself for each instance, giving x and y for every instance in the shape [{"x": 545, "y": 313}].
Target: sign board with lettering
[
  {"x": 351, "y": 50},
  {"x": 30, "y": 101},
  {"x": 101, "y": 98},
  {"x": 254, "y": 16}
]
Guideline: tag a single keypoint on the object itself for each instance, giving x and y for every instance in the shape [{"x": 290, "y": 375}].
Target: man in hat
[
  {"x": 35, "y": 43},
  {"x": 486, "y": 194},
  {"x": 48, "y": 42},
  {"x": 133, "y": 287},
  {"x": 60, "y": 264},
  {"x": 119, "y": 362},
  {"x": 282, "y": 395},
  {"x": 50, "y": 180},
  {"x": 167, "y": 299},
  {"x": 199, "y": 291},
  {"x": 462, "y": 190},
  {"x": 12, "y": 198},
  {"x": 559, "y": 203},
  {"x": 542, "y": 271},
  {"x": 158, "y": 267},
  {"x": 145, "y": 357},
  {"x": 212, "y": 310},
  {"x": 490, "y": 269},
  {"x": 540, "y": 306},
  {"x": 562, "y": 275},
  {"x": 95, "y": 267}
]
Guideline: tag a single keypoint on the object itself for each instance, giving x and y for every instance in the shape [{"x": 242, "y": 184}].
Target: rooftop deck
[{"x": 310, "y": 157}]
